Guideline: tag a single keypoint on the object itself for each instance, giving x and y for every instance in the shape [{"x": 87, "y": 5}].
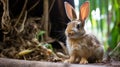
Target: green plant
[
  {"x": 41, "y": 39},
  {"x": 105, "y": 23},
  {"x": 39, "y": 36}
]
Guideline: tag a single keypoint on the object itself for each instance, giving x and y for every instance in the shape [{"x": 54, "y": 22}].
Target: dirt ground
[{"x": 4, "y": 62}]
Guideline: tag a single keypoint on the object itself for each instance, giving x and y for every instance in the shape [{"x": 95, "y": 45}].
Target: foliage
[
  {"x": 49, "y": 46},
  {"x": 24, "y": 52},
  {"x": 105, "y": 23},
  {"x": 114, "y": 38},
  {"x": 40, "y": 37}
]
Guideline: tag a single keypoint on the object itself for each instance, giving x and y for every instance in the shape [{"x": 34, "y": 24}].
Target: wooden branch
[
  {"x": 51, "y": 6},
  {"x": 22, "y": 12},
  {"x": 34, "y": 6},
  {"x": 5, "y": 17},
  {"x": 63, "y": 46},
  {"x": 21, "y": 28},
  {"x": 23, "y": 23},
  {"x": 45, "y": 18}
]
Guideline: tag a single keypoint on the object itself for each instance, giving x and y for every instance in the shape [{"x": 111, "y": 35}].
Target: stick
[
  {"x": 34, "y": 6},
  {"x": 22, "y": 12},
  {"x": 5, "y": 17},
  {"x": 45, "y": 18},
  {"x": 23, "y": 24}
]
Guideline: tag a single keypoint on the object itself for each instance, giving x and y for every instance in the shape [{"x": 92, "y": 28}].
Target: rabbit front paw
[{"x": 83, "y": 61}]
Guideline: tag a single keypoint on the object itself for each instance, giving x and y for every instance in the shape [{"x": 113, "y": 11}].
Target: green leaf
[
  {"x": 41, "y": 33},
  {"x": 49, "y": 46},
  {"x": 25, "y": 52}
]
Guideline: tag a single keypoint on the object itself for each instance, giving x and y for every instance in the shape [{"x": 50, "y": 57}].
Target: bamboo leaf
[{"x": 25, "y": 52}]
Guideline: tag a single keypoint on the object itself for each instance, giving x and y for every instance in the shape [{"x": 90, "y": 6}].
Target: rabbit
[{"x": 81, "y": 46}]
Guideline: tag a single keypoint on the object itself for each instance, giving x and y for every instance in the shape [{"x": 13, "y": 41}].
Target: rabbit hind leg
[{"x": 99, "y": 56}]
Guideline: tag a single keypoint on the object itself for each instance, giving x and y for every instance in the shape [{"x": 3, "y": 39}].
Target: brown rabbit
[{"x": 81, "y": 46}]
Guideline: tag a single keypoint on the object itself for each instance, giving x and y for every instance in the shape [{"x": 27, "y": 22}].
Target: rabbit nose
[{"x": 71, "y": 33}]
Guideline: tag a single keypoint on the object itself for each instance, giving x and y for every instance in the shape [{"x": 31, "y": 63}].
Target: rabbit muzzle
[{"x": 73, "y": 34}]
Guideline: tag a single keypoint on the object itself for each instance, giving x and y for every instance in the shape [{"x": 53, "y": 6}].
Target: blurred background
[{"x": 103, "y": 20}]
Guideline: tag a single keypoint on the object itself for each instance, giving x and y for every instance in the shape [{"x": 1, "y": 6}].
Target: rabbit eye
[{"x": 78, "y": 26}]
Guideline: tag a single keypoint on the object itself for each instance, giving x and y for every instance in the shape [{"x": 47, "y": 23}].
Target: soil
[{"x": 22, "y": 63}]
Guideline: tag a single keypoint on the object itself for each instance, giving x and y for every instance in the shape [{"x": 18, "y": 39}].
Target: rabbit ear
[
  {"x": 70, "y": 11},
  {"x": 84, "y": 11}
]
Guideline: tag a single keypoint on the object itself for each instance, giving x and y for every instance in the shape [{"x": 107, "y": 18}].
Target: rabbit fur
[{"x": 81, "y": 46}]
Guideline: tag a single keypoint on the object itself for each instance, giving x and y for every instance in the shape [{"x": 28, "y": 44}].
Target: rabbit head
[{"x": 75, "y": 27}]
